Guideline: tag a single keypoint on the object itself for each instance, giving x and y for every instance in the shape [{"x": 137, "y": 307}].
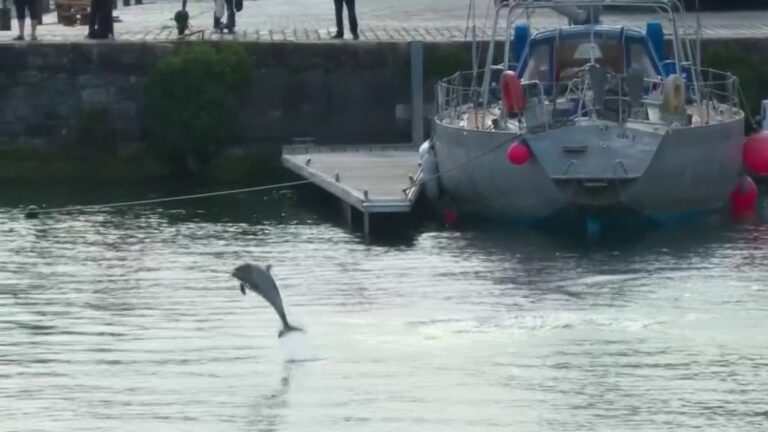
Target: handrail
[
  {"x": 671, "y": 7},
  {"x": 456, "y": 96}
]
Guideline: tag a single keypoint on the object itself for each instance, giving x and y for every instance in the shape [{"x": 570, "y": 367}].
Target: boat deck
[{"x": 370, "y": 178}]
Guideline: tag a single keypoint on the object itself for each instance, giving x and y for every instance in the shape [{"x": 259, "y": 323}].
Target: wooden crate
[{"x": 73, "y": 12}]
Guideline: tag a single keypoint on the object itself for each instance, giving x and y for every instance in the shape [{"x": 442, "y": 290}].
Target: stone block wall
[
  {"x": 46, "y": 89},
  {"x": 335, "y": 92}
]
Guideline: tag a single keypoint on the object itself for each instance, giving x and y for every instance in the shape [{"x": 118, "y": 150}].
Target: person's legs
[
  {"x": 352, "y": 17},
  {"x": 33, "y": 17},
  {"x": 92, "y": 20},
  {"x": 21, "y": 10},
  {"x": 339, "y": 4},
  {"x": 218, "y": 13},
  {"x": 230, "y": 15},
  {"x": 106, "y": 19},
  {"x": 97, "y": 13}
]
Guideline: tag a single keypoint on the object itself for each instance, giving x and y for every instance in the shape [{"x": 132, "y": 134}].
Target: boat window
[
  {"x": 538, "y": 64},
  {"x": 574, "y": 54},
  {"x": 639, "y": 58}
]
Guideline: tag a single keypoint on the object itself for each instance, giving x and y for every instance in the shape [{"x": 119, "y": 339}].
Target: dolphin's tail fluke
[{"x": 289, "y": 328}]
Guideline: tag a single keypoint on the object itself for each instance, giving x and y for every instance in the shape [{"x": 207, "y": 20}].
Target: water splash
[{"x": 297, "y": 347}]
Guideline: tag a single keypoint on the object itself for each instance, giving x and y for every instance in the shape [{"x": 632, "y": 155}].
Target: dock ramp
[{"x": 373, "y": 179}]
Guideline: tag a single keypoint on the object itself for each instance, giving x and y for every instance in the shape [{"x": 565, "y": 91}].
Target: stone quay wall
[{"x": 336, "y": 93}]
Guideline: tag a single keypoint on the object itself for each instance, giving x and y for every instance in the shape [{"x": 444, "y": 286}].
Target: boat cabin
[{"x": 555, "y": 57}]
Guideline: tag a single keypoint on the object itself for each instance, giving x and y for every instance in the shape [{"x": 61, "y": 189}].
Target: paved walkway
[{"x": 380, "y": 20}]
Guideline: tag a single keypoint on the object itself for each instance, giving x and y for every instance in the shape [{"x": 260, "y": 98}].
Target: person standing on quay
[
  {"x": 22, "y": 6},
  {"x": 100, "y": 22},
  {"x": 340, "y": 19},
  {"x": 231, "y": 7}
]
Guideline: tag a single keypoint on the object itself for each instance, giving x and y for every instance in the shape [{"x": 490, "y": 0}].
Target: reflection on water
[{"x": 127, "y": 319}]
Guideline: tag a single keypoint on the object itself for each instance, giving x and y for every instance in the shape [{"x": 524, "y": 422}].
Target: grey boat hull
[{"x": 663, "y": 174}]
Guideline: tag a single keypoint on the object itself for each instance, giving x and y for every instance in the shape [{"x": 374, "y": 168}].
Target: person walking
[
  {"x": 22, "y": 6},
  {"x": 340, "y": 19}
]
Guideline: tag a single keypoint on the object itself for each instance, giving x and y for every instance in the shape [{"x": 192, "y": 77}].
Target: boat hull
[{"x": 662, "y": 174}]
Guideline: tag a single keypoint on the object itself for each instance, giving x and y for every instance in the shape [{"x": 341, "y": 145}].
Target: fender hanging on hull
[{"x": 429, "y": 171}]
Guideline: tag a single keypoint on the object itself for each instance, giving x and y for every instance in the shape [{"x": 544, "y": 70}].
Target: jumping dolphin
[{"x": 259, "y": 280}]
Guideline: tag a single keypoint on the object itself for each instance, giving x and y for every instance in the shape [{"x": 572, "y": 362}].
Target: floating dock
[{"x": 372, "y": 179}]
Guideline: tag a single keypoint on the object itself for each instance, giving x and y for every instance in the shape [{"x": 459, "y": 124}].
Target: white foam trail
[{"x": 296, "y": 347}]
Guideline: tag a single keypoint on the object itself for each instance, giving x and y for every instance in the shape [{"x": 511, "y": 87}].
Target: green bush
[{"x": 193, "y": 99}]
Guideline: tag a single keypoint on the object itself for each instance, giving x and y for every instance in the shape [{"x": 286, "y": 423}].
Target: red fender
[
  {"x": 512, "y": 93},
  {"x": 756, "y": 153}
]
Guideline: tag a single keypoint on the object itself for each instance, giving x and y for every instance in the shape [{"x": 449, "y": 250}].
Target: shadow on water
[
  {"x": 538, "y": 260},
  {"x": 308, "y": 204},
  {"x": 389, "y": 230},
  {"x": 270, "y": 206}
]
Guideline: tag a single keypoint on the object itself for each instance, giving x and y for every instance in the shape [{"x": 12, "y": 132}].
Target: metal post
[
  {"x": 417, "y": 92},
  {"x": 366, "y": 224},
  {"x": 347, "y": 209}
]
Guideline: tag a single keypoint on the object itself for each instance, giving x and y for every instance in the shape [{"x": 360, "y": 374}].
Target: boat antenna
[
  {"x": 471, "y": 15},
  {"x": 699, "y": 34}
]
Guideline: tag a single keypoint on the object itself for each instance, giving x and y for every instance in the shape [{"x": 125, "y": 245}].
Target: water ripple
[{"x": 128, "y": 320}]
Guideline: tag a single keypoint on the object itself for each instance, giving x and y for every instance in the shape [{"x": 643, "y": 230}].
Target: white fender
[
  {"x": 672, "y": 107},
  {"x": 429, "y": 171}
]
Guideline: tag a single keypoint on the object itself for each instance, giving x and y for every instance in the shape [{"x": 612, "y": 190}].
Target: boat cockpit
[{"x": 554, "y": 58}]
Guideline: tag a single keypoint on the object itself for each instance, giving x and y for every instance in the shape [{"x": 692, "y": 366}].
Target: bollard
[{"x": 764, "y": 115}]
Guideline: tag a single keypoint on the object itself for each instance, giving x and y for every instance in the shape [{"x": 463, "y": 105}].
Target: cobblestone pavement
[{"x": 380, "y": 20}]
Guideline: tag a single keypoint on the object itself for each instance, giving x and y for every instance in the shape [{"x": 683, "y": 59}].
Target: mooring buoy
[{"x": 32, "y": 212}]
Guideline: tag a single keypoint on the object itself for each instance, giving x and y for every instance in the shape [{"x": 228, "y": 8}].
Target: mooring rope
[
  {"x": 745, "y": 103},
  {"x": 37, "y": 211},
  {"x": 174, "y": 198}
]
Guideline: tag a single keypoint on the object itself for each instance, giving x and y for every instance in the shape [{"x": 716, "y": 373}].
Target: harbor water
[{"x": 128, "y": 319}]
